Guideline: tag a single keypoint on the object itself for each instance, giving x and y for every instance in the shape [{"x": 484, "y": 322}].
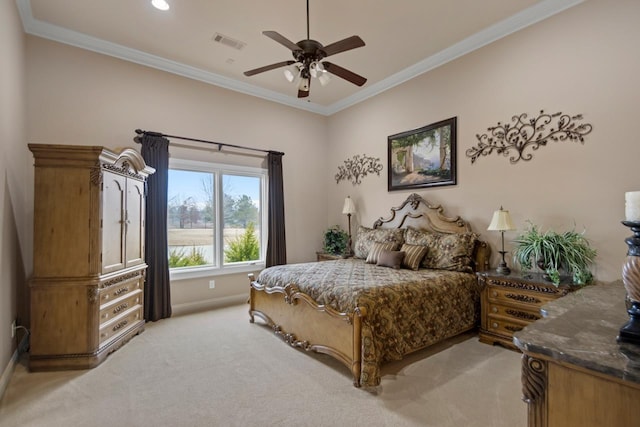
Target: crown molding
[{"x": 523, "y": 19}]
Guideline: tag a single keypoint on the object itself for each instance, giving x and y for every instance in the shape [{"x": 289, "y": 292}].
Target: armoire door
[
  {"x": 134, "y": 220},
  {"x": 113, "y": 221}
]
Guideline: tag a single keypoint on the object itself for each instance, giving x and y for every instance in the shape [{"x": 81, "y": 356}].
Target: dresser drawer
[
  {"x": 503, "y": 326},
  {"x": 119, "y": 305},
  {"x": 511, "y": 296},
  {"x": 120, "y": 324},
  {"x": 119, "y": 290}
]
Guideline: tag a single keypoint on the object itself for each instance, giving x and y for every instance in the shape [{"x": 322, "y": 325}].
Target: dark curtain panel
[
  {"x": 157, "y": 295},
  {"x": 276, "y": 245}
]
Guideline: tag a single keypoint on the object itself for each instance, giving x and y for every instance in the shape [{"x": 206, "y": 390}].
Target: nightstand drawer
[
  {"x": 504, "y": 327},
  {"x": 513, "y": 312},
  {"x": 510, "y": 296}
]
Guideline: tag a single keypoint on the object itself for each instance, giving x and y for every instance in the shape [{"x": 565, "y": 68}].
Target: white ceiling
[{"x": 404, "y": 38}]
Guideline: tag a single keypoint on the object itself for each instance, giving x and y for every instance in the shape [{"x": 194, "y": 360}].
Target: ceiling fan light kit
[{"x": 308, "y": 60}]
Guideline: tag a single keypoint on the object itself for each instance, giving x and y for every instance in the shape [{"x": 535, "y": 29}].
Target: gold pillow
[{"x": 413, "y": 254}]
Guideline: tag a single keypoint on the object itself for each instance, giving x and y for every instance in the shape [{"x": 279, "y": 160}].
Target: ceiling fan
[{"x": 308, "y": 63}]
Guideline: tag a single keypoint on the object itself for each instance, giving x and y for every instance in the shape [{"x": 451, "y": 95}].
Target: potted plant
[
  {"x": 553, "y": 252},
  {"x": 335, "y": 240}
]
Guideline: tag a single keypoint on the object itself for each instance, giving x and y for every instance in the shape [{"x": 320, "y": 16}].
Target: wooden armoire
[{"x": 87, "y": 286}]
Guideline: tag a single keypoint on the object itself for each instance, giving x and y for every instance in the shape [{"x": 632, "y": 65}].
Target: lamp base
[
  {"x": 503, "y": 269},
  {"x": 630, "y": 331},
  {"x": 502, "y": 266}
]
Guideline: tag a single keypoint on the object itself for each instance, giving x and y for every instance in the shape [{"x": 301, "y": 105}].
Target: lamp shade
[
  {"x": 501, "y": 221},
  {"x": 349, "y": 207}
]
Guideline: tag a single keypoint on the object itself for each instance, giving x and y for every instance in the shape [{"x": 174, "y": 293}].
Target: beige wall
[
  {"x": 79, "y": 97},
  {"x": 15, "y": 230},
  {"x": 583, "y": 60}
]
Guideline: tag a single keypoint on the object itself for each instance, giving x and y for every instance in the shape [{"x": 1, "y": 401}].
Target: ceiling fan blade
[
  {"x": 343, "y": 45},
  {"x": 349, "y": 76},
  {"x": 274, "y": 35},
  {"x": 268, "y": 67}
]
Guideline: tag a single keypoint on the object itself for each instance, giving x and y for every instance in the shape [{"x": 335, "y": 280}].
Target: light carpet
[{"x": 214, "y": 368}]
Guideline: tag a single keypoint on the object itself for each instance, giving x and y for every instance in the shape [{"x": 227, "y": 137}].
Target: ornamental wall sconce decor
[
  {"x": 358, "y": 167},
  {"x": 526, "y": 133}
]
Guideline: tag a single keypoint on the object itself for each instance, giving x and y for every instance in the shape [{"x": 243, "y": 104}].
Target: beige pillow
[
  {"x": 378, "y": 247},
  {"x": 366, "y": 237},
  {"x": 413, "y": 254},
  {"x": 391, "y": 259}
]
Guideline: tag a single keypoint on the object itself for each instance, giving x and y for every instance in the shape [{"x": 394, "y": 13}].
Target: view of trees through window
[{"x": 194, "y": 213}]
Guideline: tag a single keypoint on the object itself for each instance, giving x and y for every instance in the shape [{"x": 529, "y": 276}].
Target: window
[{"x": 215, "y": 218}]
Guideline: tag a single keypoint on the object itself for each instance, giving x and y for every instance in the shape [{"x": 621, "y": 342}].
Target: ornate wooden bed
[{"x": 349, "y": 332}]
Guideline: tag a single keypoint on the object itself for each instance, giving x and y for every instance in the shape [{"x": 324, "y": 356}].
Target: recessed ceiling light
[{"x": 160, "y": 4}]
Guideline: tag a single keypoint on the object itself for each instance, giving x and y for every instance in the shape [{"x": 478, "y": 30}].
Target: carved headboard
[{"x": 416, "y": 212}]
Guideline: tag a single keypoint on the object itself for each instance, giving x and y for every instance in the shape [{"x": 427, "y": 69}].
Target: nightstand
[
  {"x": 509, "y": 303},
  {"x": 324, "y": 256}
]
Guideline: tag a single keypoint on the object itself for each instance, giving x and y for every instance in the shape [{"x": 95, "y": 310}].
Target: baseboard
[
  {"x": 11, "y": 366},
  {"x": 192, "y": 307}
]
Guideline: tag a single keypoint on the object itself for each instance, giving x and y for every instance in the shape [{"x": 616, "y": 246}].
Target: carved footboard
[{"x": 302, "y": 323}]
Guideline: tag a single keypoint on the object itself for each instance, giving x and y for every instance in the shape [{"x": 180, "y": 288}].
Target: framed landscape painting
[{"x": 424, "y": 157}]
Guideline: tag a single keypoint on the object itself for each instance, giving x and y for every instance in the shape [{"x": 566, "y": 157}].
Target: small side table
[
  {"x": 511, "y": 302},
  {"x": 324, "y": 256}
]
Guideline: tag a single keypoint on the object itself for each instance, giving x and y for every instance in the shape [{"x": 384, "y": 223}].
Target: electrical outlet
[
  {"x": 13, "y": 329},
  {"x": 212, "y": 284}
]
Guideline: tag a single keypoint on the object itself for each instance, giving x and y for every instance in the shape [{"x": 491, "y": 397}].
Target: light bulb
[
  {"x": 289, "y": 75},
  {"x": 160, "y": 4},
  {"x": 316, "y": 69},
  {"x": 324, "y": 78},
  {"x": 292, "y": 72}
]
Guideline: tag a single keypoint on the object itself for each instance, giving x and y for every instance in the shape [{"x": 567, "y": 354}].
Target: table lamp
[
  {"x": 502, "y": 222},
  {"x": 348, "y": 209}
]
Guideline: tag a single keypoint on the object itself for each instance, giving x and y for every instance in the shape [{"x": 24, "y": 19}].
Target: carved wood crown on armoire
[{"x": 88, "y": 254}]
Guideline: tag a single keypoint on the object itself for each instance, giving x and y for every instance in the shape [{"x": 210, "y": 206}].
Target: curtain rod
[{"x": 219, "y": 144}]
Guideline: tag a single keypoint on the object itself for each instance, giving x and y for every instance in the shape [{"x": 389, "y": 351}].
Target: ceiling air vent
[{"x": 228, "y": 41}]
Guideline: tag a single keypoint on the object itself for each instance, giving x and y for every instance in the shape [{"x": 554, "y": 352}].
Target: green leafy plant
[
  {"x": 244, "y": 248},
  {"x": 180, "y": 257},
  {"x": 553, "y": 252},
  {"x": 335, "y": 240}
]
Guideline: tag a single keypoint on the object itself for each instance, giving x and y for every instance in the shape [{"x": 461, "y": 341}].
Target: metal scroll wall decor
[
  {"x": 526, "y": 133},
  {"x": 358, "y": 167}
]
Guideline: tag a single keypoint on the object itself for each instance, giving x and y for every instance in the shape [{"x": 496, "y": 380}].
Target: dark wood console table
[{"x": 574, "y": 372}]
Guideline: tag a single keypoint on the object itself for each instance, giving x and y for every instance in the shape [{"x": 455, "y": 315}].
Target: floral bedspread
[{"x": 406, "y": 310}]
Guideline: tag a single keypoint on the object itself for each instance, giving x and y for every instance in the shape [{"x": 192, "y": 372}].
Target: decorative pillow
[
  {"x": 391, "y": 259},
  {"x": 453, "y": 252},
  {"x": 366, "y": 237},
  {"x": 378, "y": 247},
  {"x": 413, "y": 255}
]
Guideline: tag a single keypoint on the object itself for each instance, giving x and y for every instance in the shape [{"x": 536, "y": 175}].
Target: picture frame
[{"x": 424, "y": 157}]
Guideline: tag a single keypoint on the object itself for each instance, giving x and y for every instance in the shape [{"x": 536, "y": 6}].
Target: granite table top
[{"x": 582, "y": 328}]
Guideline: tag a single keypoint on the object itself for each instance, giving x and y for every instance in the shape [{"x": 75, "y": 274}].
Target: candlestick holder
[{"x": 630, "y": 331}]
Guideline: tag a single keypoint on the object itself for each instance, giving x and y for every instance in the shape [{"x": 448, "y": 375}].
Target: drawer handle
[
  {"x": 523, "y": 298},
  {"x": 121, "y": 307},
  {"x": 494, "y": 309},
  {"x": 121, "y": 291},
  {"x": 494, "y": 325},
  {"x": 513, "y": 328},
  {"x": 120, "y": 325},
  {"x": 522, "y": 315},
  {"x": 494, "y": 294}
]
